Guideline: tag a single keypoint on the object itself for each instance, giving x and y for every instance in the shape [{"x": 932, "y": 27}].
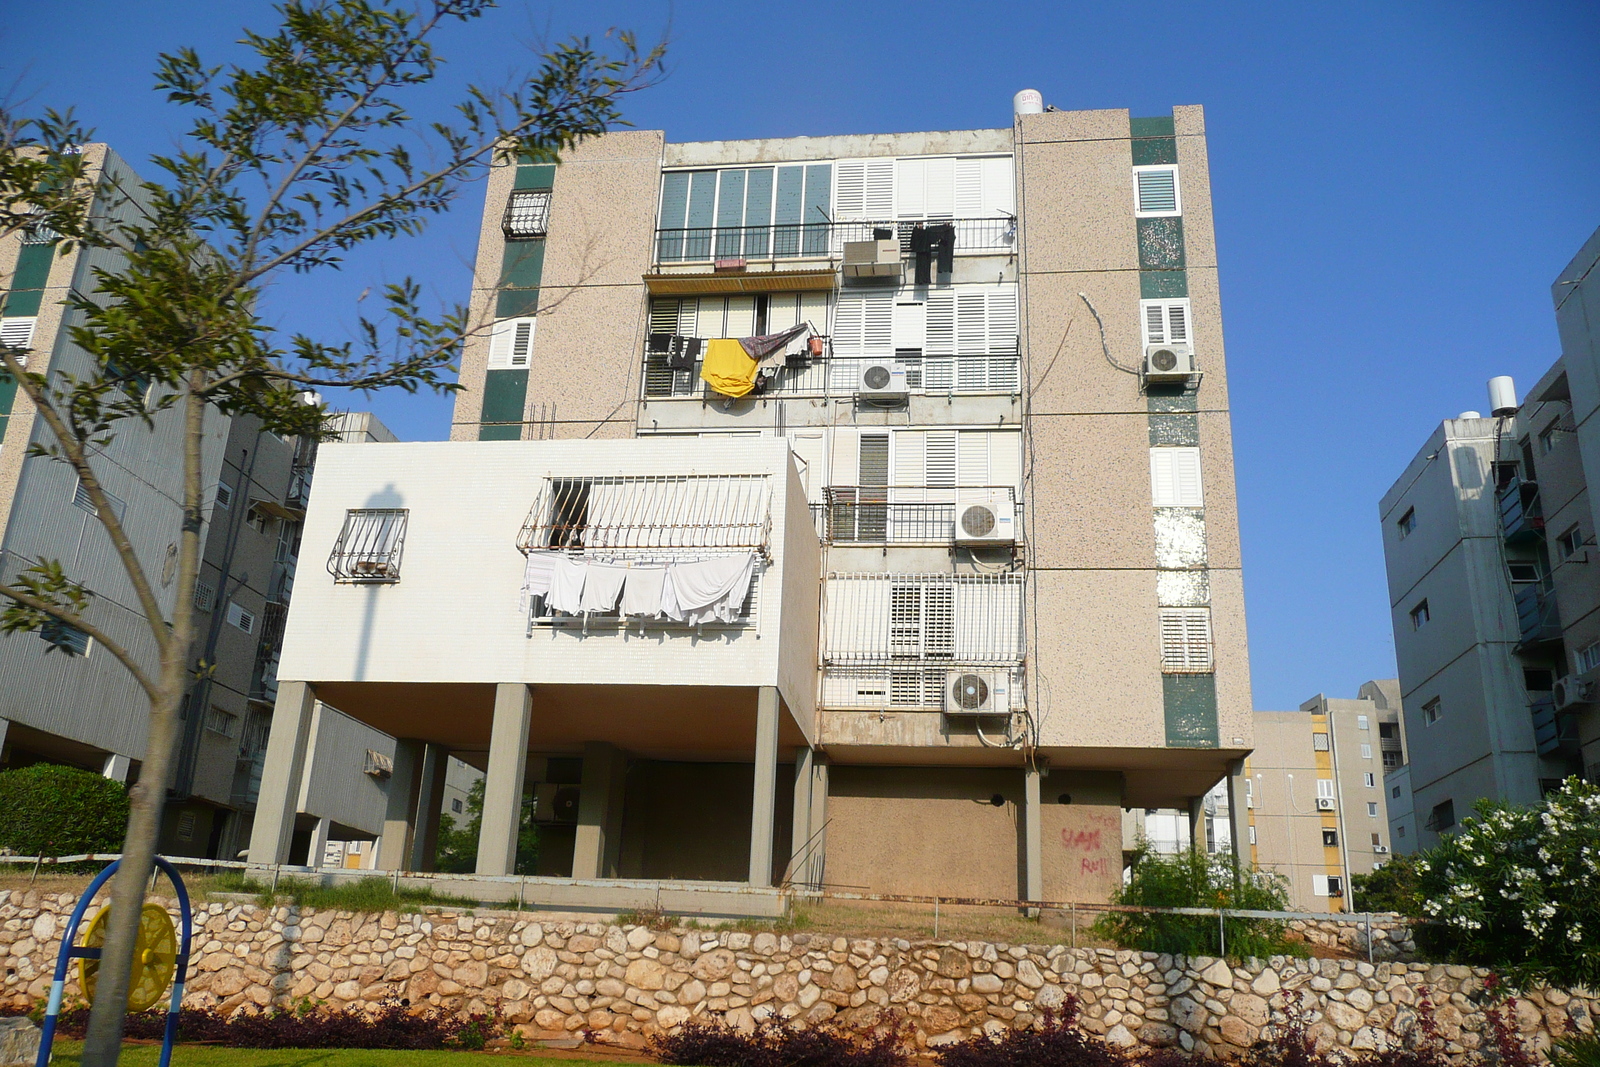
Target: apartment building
[
  {"x": 62, "y": 699},
  {"x": 1488, "y": 538},
  {"x": 993, "y": 464},
  {"x": 1315, "y": 792}
]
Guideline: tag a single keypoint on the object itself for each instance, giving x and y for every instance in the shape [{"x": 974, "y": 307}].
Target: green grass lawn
[{"x": 67, "y": 1053}]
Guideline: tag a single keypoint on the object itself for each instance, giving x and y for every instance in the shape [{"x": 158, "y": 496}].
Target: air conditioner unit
[
  {"x": 872, "y": 259},
  {"x": 1324, "y": 803},
  {"x": 977, "y": 693},
  {"x": 883, "y": 381},
  {"x": 1573, "y": 690},
  {"x": 555, "y": 803},
  {"x": 1382, "y": 850},
  {"x": 1168, "y": 363},
  {"x": 985, "y": 517}
]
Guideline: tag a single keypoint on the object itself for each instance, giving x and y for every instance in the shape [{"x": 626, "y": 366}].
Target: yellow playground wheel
[{"x": 155, "y": 956}]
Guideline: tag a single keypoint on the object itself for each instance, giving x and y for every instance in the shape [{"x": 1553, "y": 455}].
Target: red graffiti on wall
[
  {"x": 1097, "y": 867},
  {"x": 1083, "y": 840}
]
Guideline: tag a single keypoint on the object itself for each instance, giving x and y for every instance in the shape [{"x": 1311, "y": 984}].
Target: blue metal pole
[
  {"x": 69, "y": 952},
  {"x": 170, "y": 1036}
]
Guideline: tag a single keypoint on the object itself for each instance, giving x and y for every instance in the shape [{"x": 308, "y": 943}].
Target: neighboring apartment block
[
  {"x": 1315, "y": 796},
  {"x": 1489, "y": 539},
  {"x": 989, "y": 479}
]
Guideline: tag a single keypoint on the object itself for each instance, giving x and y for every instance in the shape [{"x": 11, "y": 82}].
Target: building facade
[
  {"x": 1315, "y": 793},
  {"x": 1008, "y": 418}
]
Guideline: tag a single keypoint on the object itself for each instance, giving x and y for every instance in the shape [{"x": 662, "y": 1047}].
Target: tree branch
[{"x": 28, "y": 600}]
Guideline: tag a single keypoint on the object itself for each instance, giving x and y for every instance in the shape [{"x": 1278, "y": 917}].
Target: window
[
  {"x": 1443, "y": 815},
  {"x": 17, "y": 332},
  {"x": 1324, "y": 788},
  {"x": 1407, "y": 523},
  {"x": 1319, "y": 742},
  {"x": 1319, "y": 885},
  {"x": 1362, "y": 723},
  {"x": 1156, "y": 191},
  {"x": 1372, "y": 809},
  {"x": 455, "y": 805},
  {"x": 1335, "y": 886},
  {"x": 1389, "y": 731},
  {"x": 511, "y": 344},
  {"x": 241, "y": 619},
  {"x": 1419, "y": 616},
  {"x": 64, "y": 637},
  {"x": 1252, "y": 835},
  {"x": 186, "y": 821},
  {"x": 224, "y": 495},
  {"x": 1377, "y": 841},
  {"x": 1523, "y": 571},
  {"x": 1165, "y": 321},
  {"x": 1588, "y": 657},
  {"x": 1391, "y": 760},
  {"x": 1395, "y": 792},
  {"x": 1330, "y": 839},
  {"x": 205, "y": 596},
  {"x": 1175, "y": 478},
  {"x": 1369, "y": 780},
  {"x": 222, "y": 722},
  {"x": 81, "y": 498},
  {"x": 1366, "y": 751},
  {"x": 1249, "y": 793},
  {"x": 1186, "y": 640},
  {"x": 1430, "y": 711},
  {"x": 527, "y": 214},
  {"x": 377, "y": 764},
  {"x": 1400, "y": 831},
  {"x": 370, "y": 545},
  {"x": 1568, "y": 544}
]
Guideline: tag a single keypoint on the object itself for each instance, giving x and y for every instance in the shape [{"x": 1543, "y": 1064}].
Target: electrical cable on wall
[{"x": 1105, "y": 349}]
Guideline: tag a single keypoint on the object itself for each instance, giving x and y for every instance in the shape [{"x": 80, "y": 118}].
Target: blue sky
[{"x": 1396, "y": 186}]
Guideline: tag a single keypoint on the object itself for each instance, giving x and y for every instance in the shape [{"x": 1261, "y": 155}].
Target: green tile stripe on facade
[
  {"x": 29, "y": 279},
  {"x": 536, "y": 176},
  {"x": 1189, "y": 700},
  {"x": 505, "y": 394}
]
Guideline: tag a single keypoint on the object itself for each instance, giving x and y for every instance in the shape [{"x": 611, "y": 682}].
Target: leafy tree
[
  {"x": 1392, "y": 887},
  {"x": 1513, "y": 889},
  {"x": 304, "y": 151},
  {"x": 50, "y": 810},
  {"x": 1193, "y": 879},
  {"x": 457, "y": 851}
]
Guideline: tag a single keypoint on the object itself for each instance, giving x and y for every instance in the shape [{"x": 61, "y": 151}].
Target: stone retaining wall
[{"x": 556, "y": 978}]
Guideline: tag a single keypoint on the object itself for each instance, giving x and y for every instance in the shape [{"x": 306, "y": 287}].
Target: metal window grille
[
  {"x": 1319, "y": 742},
  {"x": 669, "y": 511},
  {"x": 894, "y": 619},
  {"x": 378, "y": 764},
  {"x": 81, "y": 498},
  {"x": 370, "y": 545},
  {"x": 527, "y": 214},
  {"x": 205, "y": 596},
  {"x": 222, "y": 722},
  {"x": 1186, "y": 640}
]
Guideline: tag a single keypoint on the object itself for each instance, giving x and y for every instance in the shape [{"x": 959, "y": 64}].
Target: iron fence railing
[
  {"x": 841, "y": 377},
  {"x": 822, "y": 239},
  {"x": 370, "y": 545},
  {"x": 880, "y": 515},
  {"x": 650, "y": 511},
  {"x": 910, "y": 620}
]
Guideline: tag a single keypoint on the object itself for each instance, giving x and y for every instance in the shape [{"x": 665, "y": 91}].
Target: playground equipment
[{"x": 160, "y": 958}]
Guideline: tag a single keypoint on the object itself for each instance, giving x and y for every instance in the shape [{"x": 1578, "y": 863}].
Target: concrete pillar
[
  {"x": 319, "y": 843},
  {"x": 429, "y": 798},
  {"x": 117, "y": 767},
  {"x": 281, "y": 772},
  {"x": 764, "y": 801},
  {"x": 799, "y": 837},
  {"x": 5, "y": 724},
  {"x": 502, "y": 787},
  {"x": 1197, "y": 823},
  {"x": 597, "y": 843},
  {"x": 1032, "y": 834},
  {"x": 817, "y": 862},
  {"x": 1238, "y": 816},
  {"x": 400, "y": 806}
]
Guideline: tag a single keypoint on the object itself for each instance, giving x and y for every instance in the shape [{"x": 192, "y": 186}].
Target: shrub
[
  {"x": 392, "y": 1026},
  {"x": 780, "y": 1043},
  {"x": 1513, "y": 889},
  {"x": 1194, "y": 880},
  {"x": 50, "y": 810},
  {"x": 1392, "y": 887},
  {"x": 1575, "y": 1050},
  {"x": 1055, "y": 1043}
]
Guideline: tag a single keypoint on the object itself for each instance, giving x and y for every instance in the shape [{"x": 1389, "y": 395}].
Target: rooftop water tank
[
  {"x": 1502, "y": 396},
  {"x": 1028, "y": 102}
]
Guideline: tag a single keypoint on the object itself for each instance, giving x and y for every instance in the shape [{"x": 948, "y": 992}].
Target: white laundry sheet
[
  {"x": 536, "y": 576},
  {"x": 602, "y": 586},
  {"x": 708, "y": 589},
  {"x": 702, "y": 591},
  {"x": 566, "y": 585},
  {"x": 641, "y": 594}
]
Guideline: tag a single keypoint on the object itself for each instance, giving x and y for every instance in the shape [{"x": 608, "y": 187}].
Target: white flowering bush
[{"x": 1518, "y": 889}]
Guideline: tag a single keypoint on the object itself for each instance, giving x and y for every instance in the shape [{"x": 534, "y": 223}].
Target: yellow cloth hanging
[{"x": 727, "y": 368}]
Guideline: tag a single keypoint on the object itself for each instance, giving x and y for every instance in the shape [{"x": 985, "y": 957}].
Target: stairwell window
[
  {"x": 1156, "y": 191},
  {"x": 222, "y": 722},
  {"x": 1330, "y": 839},
  {"x": 1407, "y": 523},
  {"x": 370, "y": 545},
  {"x": 1420, "y": 616},
  {"x": 1368, "y": 780},
  {"x": 1443, "y": 816},
  {"x": 65, "y": 637},
  {"x": 1568, "y": 544},
  {"x": 1372, "y": 809},
  {"x": 1587, "y": 658},
  {"x": 1366, "y": 751},
  {"x": 1430, "y": 711}
]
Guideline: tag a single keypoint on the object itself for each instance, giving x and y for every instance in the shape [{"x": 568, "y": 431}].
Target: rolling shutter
[{"x": 1175, "y": 478}]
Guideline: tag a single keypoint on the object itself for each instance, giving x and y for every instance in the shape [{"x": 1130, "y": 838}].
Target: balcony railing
[
  {"x": 839, "y": 377},
  {"x": 878, "y": 515},
  {"x": 823, "y": 239},
  {"x": 915, "y": 621},
  {"x": 1521, "y": 515}
]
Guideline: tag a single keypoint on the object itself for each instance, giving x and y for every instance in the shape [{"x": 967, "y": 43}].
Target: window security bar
[
  {"x": 667, "y": 513},
  {"x": 370, "y": 546},
  {"x": 527, "y": 214},
  {"x": 999, "y": 372},
  {"x": 895, "y": 515},
  {"x": 820, "y": 239},
  {"x": 904, "y": 620}
]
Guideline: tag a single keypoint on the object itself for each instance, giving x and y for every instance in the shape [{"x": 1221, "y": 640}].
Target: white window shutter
[
  {"x": 17, "y": 332},
  {"x": 969, "y": 188},
  {"x": 511, "y": 344},
  {"x": 1155, "y": 324},
  {"x": 846, "y": 449},
  {"x": 909, "y": 449},
  {"x": 940, "y": 200},
  {"x": 1165, "y": 321},
  {"x": 972, "y": 466},
  {"x": 999, "y": 195},
  {"x": 1319, "y": 885},
  {"x": 880, "y": 189},
  {"x": 1186, "y": 640},
  {"x": 1175, "y": 478},
  {"x": 664, "y": 314},
  {"x": 913, "y": 178},
  {"x": 1156, "y": 191},
  {"x": 811, "y": 448},
  {"x": 741, "y": 317},
  {"x": 972, "y": 323},
  {"x": 863, "y": 325},
  {"x": 1003, "y": 328},
  {"x": 783, "y": 311},
  {"x": 940, "y": 463},
  {"x": 940, "y": 338},
  {"x": 1178, "y": 321},
  {"x": 910, "y": 325},
  {"x": 1005, "y": 459},
  {"x": 850, "y": 189}
]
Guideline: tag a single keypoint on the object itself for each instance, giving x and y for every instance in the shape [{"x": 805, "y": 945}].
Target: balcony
[
  {"x": 878, "y": 515},
  {"x": 1538, "y": 619},
  {"x": 1553, "y": 731},
  {"x": 706, "y": 244},
  {"x": 1521, "y": 515},
  {"x": 830, "y": 376}
]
